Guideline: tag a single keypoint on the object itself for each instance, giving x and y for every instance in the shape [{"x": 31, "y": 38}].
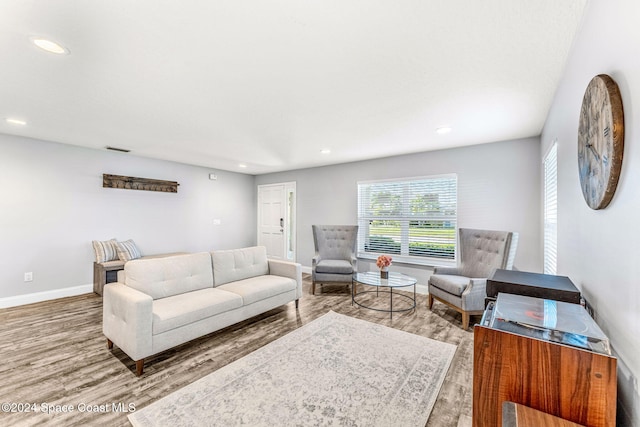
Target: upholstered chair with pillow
[
  {"x": 335, "y": 259},
  {"x": 465, "y": 288}
]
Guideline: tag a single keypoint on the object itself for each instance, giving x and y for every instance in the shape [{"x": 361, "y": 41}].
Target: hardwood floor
[{"x": 54, "y": 353}]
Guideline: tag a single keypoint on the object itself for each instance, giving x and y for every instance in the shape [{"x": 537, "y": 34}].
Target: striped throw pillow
[
  {"x": 128, "y": 250},
  {"x": 105, "y": 251}
]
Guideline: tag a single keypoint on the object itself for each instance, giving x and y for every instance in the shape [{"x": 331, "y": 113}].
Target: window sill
[{"x": 409, "y": 260}]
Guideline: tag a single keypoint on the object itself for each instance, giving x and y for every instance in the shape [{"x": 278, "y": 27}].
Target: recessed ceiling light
[
  {"x": 443, "y": 130},
  {"x": 242, "y": 165},
  {"x": 17, "y": 122},
  {"x": 325, "y": 151},
  {"x": 50, "y": 46}
]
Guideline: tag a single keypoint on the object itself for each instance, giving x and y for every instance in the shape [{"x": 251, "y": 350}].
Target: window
[
  {"x": 414, "y": 220},
  {"x": 550, "y": 207}
]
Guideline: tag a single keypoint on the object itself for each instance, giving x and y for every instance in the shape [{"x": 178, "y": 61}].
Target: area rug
[{"x": 336, "y": 370}]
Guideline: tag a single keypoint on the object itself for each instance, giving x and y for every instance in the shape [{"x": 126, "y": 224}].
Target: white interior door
[{"x": 276, "y": 226}]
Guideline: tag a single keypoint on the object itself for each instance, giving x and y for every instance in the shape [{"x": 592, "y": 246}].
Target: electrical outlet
[{"x": 28, "y": 277}]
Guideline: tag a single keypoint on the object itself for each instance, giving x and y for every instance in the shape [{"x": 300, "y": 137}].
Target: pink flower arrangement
[{"x": 383, "y": 261}]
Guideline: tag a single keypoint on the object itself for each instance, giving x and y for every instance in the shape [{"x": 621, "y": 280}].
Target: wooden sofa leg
[
  {"x": 430, "y": 301},
  {"x": 297, "y": 301},
  {"x": 109, "y": 344},
  {"x": 139, "y": 367}
]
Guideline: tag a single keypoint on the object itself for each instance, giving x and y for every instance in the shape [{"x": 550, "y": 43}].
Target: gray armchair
[
  {"x": 335, "y": 259},
  {"x": 465, "y": 288}
]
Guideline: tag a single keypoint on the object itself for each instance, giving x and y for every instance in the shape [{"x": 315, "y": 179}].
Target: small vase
[{"x": 384, "y": 273}]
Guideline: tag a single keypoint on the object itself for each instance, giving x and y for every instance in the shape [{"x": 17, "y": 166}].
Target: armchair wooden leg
[
  {"x": 313, "y": 287},
  {"x": 465, "y": 320},
  {"x": 297, "y": 301},
  {"x": 109, "y": 344},
  {"x": 430, "y": 301},
  {"x": 139, "y": 367}
]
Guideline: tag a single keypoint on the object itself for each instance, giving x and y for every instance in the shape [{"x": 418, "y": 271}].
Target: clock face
[{"x": 600, "y": 141}]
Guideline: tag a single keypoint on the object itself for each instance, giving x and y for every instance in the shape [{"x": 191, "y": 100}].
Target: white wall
[
  {"x": 52, "y": 204},
  {"x": 498, "y": 189},
  {"x": 599, "y": 250}
]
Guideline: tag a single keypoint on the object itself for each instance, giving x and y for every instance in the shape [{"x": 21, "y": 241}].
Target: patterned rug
[{"x": 336, "y": 370}]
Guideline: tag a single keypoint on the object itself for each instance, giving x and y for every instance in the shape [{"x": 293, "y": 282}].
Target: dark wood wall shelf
[{"x": 133, "y": 183}]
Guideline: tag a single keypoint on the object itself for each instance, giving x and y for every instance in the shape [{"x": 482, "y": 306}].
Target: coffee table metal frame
[{"x": 395, "y": 280}]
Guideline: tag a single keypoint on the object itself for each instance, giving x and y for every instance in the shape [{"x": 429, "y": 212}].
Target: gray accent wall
[
  {"x": 52, "y": 204},
  {"x": 599, "y": 250},
  {"x": 498, "y": 189}
]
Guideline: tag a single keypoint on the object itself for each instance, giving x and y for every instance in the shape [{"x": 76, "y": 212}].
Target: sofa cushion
[
  {"x": 105, "y": 250},
  {"x": 455, "y": 285},
  {"x": 122, "y": 274},
  {"x": 180, "y": 310},
  {"x": 238, "y": 264},
  {"x": 128, "y": 250},
  {"x": 164, "y": 277},
  {"x": 259, "y": 288},
  {"x": 335, "y": 266}
]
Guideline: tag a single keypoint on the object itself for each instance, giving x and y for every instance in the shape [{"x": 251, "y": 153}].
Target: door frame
[{"x": 290, "y": 217}]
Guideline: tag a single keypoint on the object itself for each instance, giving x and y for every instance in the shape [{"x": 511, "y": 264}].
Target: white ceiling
[{"x": 271, "y": 83}]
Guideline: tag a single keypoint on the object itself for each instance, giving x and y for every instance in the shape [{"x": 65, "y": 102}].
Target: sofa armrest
[
  {"x": 315, "y": 260},
  {"x": 473, "y": 297},
  {"x": 292, "y": 270},
  {"x": 127, "y": 319},
  {"x": 454, "y": 271}
]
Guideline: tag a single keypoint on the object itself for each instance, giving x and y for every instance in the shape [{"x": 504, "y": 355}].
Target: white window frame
[
  {"x": 550, "y": 209},
  {"x": 405, "y": 217}
]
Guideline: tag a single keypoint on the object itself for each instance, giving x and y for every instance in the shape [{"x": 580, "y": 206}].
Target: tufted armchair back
[
  {"x": 482, "y": 251},
  {"x": 335, "y": 241}
]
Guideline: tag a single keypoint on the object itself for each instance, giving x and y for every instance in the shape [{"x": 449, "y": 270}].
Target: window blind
[
  {"x": 550, "y": 213},
  {"x": 412, "y": 219}
]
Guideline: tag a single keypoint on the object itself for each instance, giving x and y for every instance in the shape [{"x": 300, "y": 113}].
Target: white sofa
[{"x": 168, "y": 301}]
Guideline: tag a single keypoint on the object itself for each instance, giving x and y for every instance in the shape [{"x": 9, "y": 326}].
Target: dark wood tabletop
[{"x": 547, "y": 286}]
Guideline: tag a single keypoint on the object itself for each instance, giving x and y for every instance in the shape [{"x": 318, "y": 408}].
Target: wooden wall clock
[{"x": 600, "y": 141}]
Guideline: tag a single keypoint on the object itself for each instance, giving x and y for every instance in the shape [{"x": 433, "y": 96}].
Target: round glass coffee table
[{"x": 394, "y": 281}]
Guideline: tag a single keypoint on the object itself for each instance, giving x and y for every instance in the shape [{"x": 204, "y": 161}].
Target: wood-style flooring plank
[{"x": 54, "y": 352}]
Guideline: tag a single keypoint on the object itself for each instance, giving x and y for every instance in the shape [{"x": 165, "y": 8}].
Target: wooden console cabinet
[
  {"x": 516, "y": 415},
  {"x": 568, "y": 382}
]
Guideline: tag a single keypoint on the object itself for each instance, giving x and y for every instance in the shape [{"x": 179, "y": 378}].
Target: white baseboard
[
  {"x": 45, "y": 296},
  {"x": 422, "y": 289},
  {"x": 306, "y": 269}
]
